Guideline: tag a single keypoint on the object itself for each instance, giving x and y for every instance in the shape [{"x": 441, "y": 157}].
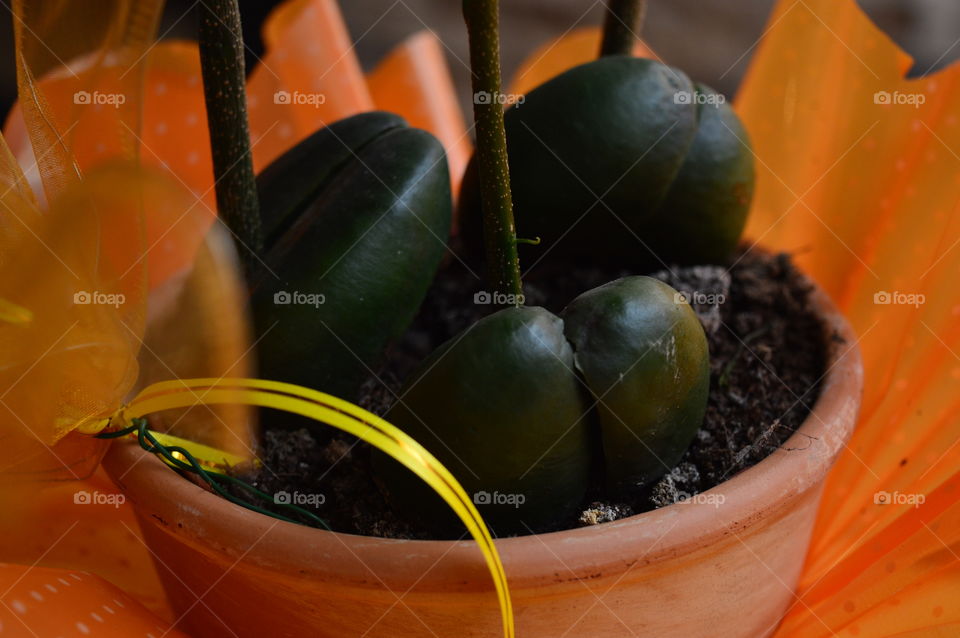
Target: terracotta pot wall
[{"x": 693, "y": 569}]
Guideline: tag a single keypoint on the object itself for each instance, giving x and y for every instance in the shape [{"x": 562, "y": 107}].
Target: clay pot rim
[{"x": 768, "y": 489}]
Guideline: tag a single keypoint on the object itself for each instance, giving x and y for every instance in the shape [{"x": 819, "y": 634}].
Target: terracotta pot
[{"x": 693, "y": 569}]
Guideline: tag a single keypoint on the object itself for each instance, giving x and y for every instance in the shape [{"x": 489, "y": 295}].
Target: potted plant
[{"x": 554, "y": 402}]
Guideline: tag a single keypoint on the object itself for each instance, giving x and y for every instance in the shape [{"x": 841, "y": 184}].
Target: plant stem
[
  {"x": 224, "y": 80},
  {"x": 499, "y": 234},
  {"x": 621, "y": 26}
]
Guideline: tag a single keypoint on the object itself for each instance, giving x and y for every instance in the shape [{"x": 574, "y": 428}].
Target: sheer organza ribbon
[{"x": 97, "y": 224}]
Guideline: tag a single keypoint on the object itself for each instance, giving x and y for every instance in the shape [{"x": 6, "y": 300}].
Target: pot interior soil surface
[{"x": 767, "y": 351}]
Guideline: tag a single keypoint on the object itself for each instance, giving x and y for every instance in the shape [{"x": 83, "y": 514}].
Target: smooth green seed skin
[
  {"x": 579, "y": 137},
  {"x": 369, "y": 240},
  {"x": 501, "y": 407},
  {"x": 527, "y": 403},
  {"x": 623, "y": 160},
  {"x": 291, "y": 182},
  {"x": 644, "y": 356},
  {"x": 704, "y": 214}
]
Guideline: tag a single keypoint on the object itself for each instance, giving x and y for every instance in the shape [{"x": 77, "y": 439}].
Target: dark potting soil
[{"x": 767, "y": 352}]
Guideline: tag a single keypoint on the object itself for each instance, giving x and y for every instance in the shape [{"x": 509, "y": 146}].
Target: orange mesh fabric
[
  {"x": 76, "y": 268},
  {"x": 85, "y": 232},
  {"x": 74, "y": 209}
]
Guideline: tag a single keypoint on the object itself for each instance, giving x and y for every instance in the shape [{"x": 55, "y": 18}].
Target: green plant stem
[
  {"x": 224, "y": 79},
  {"x": 621, "y": 26},
  {"x": 499, "y": 233}
]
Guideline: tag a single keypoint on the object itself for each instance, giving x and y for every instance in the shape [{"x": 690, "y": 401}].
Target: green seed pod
[
  {"x": 618, "y": 149},
  {"x": 501, "y": 407},
  {"x": 295, "y": 179},
  {"x": 704, "y": 214},
  {"x": 644, "y": 356},
  {"x": 352, "y": 254}
]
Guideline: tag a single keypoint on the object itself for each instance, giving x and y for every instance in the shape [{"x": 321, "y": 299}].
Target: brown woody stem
[
  {"x": 621, "y": 26},
  {"x": 224, "y": 81}
]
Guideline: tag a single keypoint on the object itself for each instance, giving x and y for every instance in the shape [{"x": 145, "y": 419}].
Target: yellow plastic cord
[{"x": 327, "y": 409}]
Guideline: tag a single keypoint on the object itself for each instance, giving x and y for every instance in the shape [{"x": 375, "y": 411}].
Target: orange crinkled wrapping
[
  {"x": 859, "y": 177},
  {"x": 89, "y": 213},
  {"x": 109, "y": 198}
]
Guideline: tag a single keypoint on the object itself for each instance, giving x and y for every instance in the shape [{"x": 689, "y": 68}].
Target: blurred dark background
[{"x": 710, "y": 39}]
